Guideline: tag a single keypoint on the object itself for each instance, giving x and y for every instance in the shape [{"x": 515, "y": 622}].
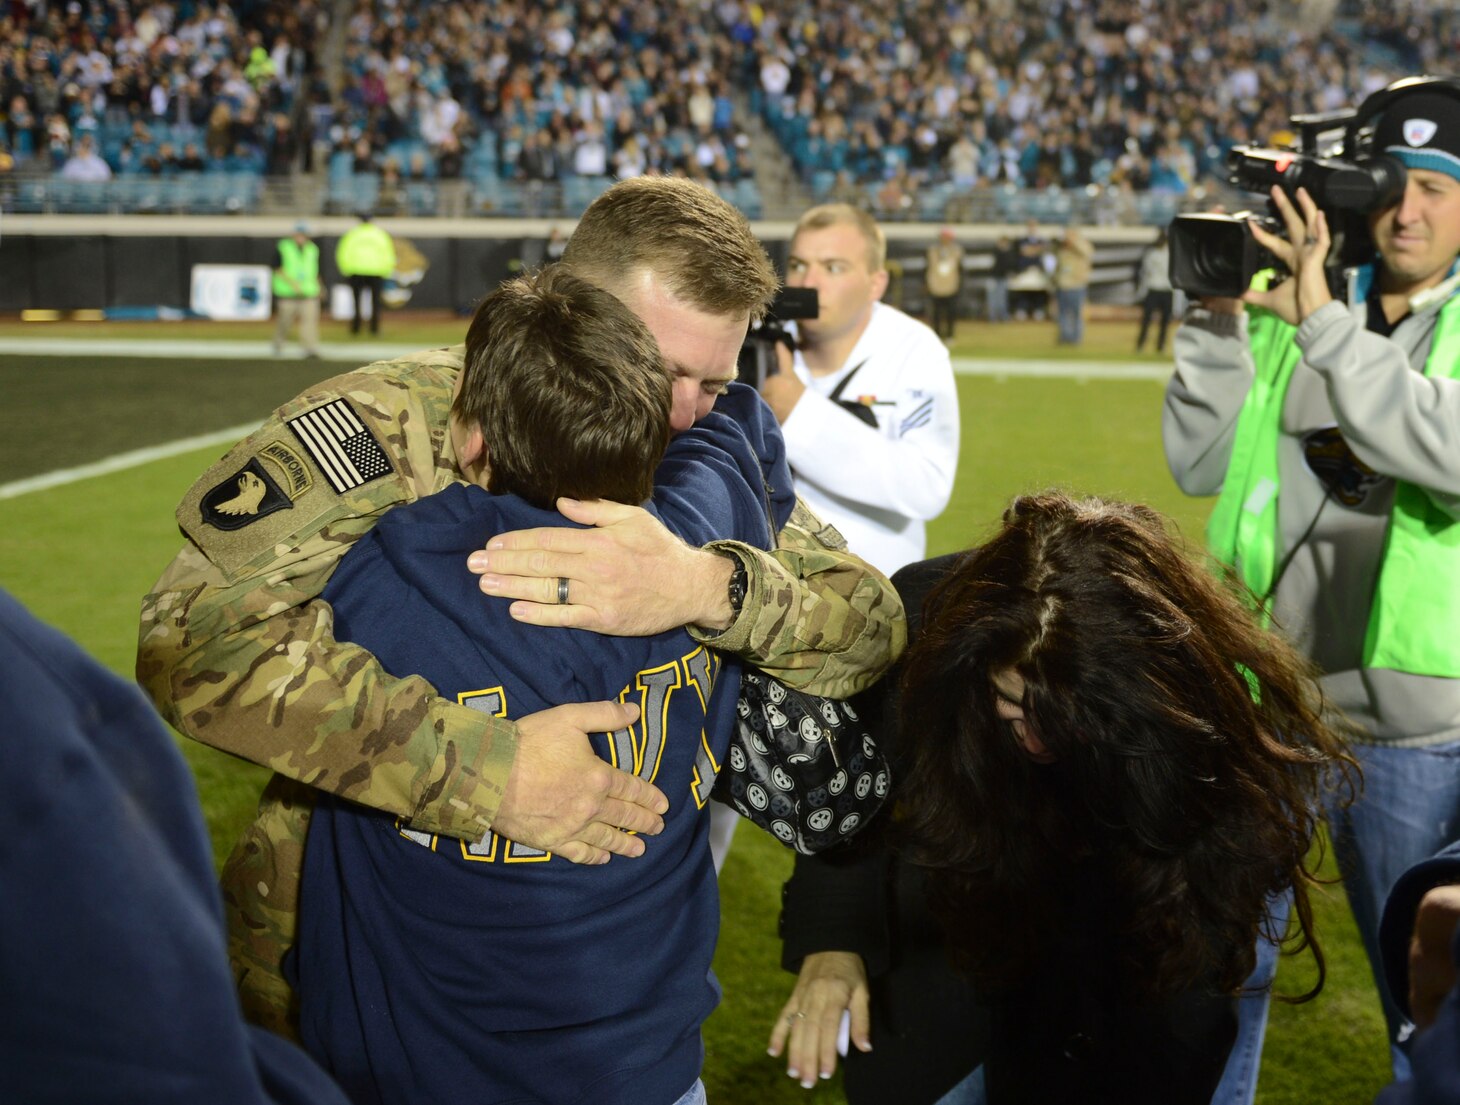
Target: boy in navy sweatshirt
[{"x": 431, "y": 970}]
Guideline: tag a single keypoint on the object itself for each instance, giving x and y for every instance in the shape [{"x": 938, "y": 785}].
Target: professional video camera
[
  {"x": 1217, "y": 255},
  {"x": 758, "y": 354},
  {"x": 1339, "y": 160}
]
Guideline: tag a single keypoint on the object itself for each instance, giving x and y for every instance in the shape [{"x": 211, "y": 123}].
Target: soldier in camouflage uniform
[{"x": 238, "y": 651}]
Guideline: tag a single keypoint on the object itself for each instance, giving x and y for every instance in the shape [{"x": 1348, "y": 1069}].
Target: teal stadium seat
[
  {"x": 933, "y": 201},
  {"x": 1157, "y": 208},
  {"x": 181, "y": 193},
  {"x": 486, "y": 193},
  {"x": 420, "y": 198},
  {"x": 81, "y": 197},
  {"x": 32, "y": 197},
  {"x": 746, "y": 196}
]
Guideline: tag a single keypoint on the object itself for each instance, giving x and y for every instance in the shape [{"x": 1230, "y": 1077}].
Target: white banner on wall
[
  {"x": 342, "y": 302},
  {"x": 232, "y": 292}
]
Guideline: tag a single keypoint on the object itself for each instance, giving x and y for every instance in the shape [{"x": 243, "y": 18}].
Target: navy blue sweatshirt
[{"x": 436, "y": 970}]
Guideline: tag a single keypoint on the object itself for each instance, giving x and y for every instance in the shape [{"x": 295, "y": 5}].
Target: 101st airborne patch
[
  {"x": 277, "y": 489},
  {"x": 267, "y": 482}
]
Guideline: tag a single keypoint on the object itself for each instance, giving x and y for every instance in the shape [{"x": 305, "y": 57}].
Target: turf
[{"x": 80, "y": 556}]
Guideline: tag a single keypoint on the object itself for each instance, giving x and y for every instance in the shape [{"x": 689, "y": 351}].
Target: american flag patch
[{"x": 339, "y": 443}]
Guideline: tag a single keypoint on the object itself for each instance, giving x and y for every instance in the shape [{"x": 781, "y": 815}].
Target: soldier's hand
[
  {"x": 563, "y": 799},
  {"x": 628, "y": 576},
  {"x": 1431, "y": 962}
]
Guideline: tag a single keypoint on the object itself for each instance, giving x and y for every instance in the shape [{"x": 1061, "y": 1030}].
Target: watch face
[{"x": 737, "y": 586}]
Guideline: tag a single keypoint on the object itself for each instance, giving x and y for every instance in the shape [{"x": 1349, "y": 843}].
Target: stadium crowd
[
  {"x": 93, "y": 91},
  {"x": 903, "y": 109},
  {"x": 1140, "y": 96},
  {"x": 508, "y": 91}
]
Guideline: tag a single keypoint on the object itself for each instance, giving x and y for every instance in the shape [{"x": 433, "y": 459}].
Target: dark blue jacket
[
  {"x": 114, "y": 979},
  {"x": 435, "y": 970}
]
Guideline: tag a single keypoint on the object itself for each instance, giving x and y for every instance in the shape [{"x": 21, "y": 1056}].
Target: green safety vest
[
  {"x": 1414, "y": 619},
  {"x": 365, "y": 250},
  {"x": 301, "y": 263}
]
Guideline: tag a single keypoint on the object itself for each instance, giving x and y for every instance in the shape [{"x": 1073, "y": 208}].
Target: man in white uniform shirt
[
  {"x": 880, "y": 472},
  {"x": 867, "y": 405}
]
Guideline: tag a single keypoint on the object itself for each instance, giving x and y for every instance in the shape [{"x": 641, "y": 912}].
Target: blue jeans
[
  {"x": 1071, "y": 302},
  {"x": 1239, "y": 1079},
  {"x": 695, "y": 1095},
  {"x": 1409, "y": 810}
]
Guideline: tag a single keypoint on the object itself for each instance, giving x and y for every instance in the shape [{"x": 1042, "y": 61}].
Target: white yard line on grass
[
  {"x": 1063, "y": 370},
  {"x": 123, "y": 461},
  {"x": 356, "y": 352},
  {"x": 364, "y": 352}
]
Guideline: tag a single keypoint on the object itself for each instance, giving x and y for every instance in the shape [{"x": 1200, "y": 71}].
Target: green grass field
[{"x": 81, "y": 556}]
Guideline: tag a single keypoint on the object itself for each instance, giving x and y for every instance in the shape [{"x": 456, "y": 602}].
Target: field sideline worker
[
  {"x": 296, "y": 291},
  {"x": 365, "y": 257}
]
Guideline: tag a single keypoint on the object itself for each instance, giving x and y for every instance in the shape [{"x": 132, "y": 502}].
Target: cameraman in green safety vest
[{"x": 1331, "y": 433}]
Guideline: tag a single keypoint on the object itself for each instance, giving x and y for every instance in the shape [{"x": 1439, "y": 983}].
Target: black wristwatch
[{"x": 739, "y": 582}]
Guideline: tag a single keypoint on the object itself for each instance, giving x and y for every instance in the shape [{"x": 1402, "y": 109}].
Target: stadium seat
[
  {"x": 181, "y": 193},
  {"x": 933, "y": 201},
  {"x": 1049, "y": 206},
  {"x": 352, "y": 194},
  {"x": 81, "y": 197},
  {"x": 580, "y": 191},
  {"x": 342, "y": 165},
  {"x": 242, "y": 193},
  {"x": 487, "y": 193},
  {"x": 138, "y": 194},
  {"x": 1157, "y": 208},
  {"x": 1011, "y": 204},
  {"x": 32, "y": 197},
  {"x": 420, "y": 198},
  {"x": 746, "y": 196}
]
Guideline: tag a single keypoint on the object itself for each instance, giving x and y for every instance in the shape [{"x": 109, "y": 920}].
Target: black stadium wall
[{"x": 105, "y": 262}]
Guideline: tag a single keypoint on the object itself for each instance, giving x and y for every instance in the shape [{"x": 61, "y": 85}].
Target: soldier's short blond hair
[
  {"x": 697, "y": 244},
  {"x": 569, "y": 389},
  {"x": 838, "y": 214}
]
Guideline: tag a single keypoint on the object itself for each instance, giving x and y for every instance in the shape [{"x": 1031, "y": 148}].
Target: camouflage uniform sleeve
[
  {"x": 815, "y": 616},
  {"x": 237, "y": 650}
]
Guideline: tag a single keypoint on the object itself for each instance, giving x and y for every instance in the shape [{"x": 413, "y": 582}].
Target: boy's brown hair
[{"x": 569, "y": 390}]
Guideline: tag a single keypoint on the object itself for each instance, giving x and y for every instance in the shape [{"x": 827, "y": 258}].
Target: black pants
[
  {"x": 945, "y": 315},
  {"x": 359, "y": 284},
  {"x": 1155, "y": 303}
]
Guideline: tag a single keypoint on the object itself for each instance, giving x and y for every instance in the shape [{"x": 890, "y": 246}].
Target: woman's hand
[{"x": 830, "y": 984}]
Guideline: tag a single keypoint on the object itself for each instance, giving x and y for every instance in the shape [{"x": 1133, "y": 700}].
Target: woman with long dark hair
[{"x": 1108, "y": 770}]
